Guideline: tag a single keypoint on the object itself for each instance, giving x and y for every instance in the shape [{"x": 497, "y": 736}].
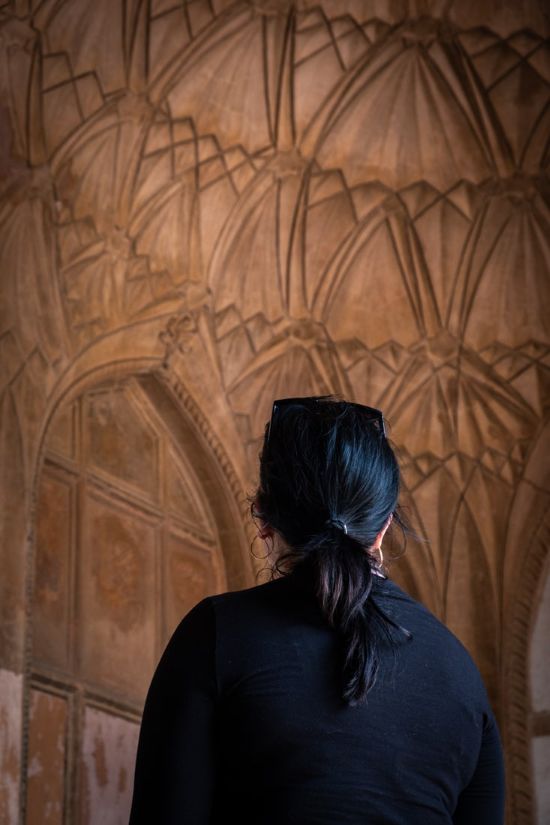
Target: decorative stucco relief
[{"x": 255, "y": 199}]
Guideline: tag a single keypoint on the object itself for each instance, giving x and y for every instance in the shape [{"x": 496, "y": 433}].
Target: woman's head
[
  {"x": 329, "y": 485},
  {"x": 326, "y": 465}
]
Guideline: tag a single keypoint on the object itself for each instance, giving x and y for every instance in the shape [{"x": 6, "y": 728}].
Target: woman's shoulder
[
  {"x": 291, "y": 598},
  {"x": 397, "y": 601},
  {"x": 432, "y": 639},
  {"x": 277, "y": 594}
]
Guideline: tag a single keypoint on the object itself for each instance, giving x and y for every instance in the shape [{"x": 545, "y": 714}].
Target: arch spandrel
[{"x": 525, "y": 559}]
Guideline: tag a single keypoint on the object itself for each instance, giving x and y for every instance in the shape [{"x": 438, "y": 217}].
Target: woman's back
[
  {"x": 326, "y": 696},
  {"x": 249, "y": 694}
]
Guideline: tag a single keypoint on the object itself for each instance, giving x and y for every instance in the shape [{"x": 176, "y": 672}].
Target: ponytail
[{"x": 345, "y": 581}]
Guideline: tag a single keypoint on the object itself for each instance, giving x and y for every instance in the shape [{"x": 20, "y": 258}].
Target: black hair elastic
[{"x": 336, "y": 522}]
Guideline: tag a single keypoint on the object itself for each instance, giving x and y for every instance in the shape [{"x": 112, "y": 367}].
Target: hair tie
[{"x": 336, "y": 522}]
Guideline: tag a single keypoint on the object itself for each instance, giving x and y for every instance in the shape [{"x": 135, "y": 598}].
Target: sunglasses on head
[{"x": 371, "y": 414}]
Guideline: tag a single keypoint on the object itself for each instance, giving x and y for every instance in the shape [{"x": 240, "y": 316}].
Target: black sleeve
[
  {"x": 175, "y": 765},
  {"x": 482, "y": 801}
]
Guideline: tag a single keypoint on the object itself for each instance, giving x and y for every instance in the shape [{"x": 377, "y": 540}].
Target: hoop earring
[{"x": 268, "y": 550}]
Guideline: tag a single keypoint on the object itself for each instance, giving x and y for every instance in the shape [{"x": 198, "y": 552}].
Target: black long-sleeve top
[{"x": 244, "y": 721}]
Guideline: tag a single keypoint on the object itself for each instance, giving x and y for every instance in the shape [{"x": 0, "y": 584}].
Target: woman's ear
[
  {"x": 378, "y": 540},
  {"x": 264, "y": 529}
]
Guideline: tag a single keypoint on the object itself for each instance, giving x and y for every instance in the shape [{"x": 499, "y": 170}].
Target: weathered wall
[
  {"x": 240, "y": 200},
  {"x": 126, "y": 544}
]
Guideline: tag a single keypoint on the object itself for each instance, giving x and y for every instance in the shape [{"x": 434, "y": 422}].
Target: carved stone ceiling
[{"x": 332, "y": 197}]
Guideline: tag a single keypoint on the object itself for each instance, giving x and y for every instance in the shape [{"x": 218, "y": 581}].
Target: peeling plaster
[
  {"x": 108, "y": 754},
  {"x": 11, "y": 693}
]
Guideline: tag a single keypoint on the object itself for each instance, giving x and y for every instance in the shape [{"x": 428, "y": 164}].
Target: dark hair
[{"x": 329, "y": 481}]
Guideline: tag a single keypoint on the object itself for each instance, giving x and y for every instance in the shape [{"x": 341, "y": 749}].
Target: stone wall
[{"x": 208, "y": 204}]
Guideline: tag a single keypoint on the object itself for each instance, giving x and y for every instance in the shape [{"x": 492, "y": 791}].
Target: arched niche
[
  {"x": 136, "y": 519},
  {"x": 525, "y": 629},
  {"x": 539, "y": 680}
]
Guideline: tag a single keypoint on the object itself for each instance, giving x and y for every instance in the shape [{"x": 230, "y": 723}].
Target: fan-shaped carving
[
  {"x": 252, "y": 263},
  {"x": 516, "y": 68},
  {"x": 108, "y": 45},
  {"x": 411, "y": 110},
  {"x": 33, "y": 340},
  {"x": 502, "y": 292},
  {"x": 221, "y": 79}
]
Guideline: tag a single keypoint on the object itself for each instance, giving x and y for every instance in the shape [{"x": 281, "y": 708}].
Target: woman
[{"x": 326, "y": 695}]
